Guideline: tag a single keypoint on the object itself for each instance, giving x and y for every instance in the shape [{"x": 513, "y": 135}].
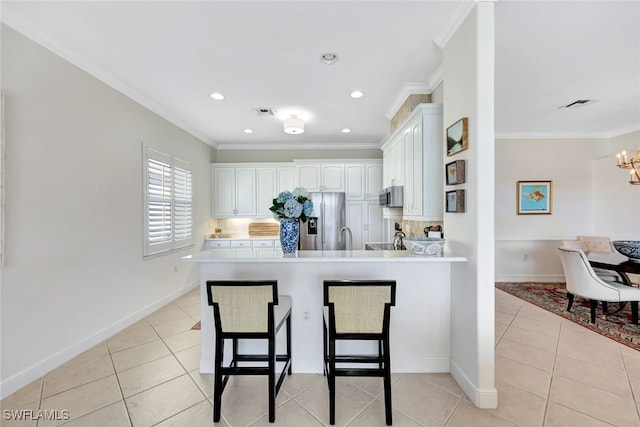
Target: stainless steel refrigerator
[{"x": 326, "y": 227}]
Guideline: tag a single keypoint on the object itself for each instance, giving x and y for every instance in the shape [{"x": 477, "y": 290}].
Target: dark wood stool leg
[
  {"x": 594, "y": 305},
  {"x": 272, "y": 380},
  {"x": 634, "y": 312},
  {"x": 570, "y": 296},
  {"x": 605, "y": 307},
  {"x": 217, "y": 382},
  {"x": 387, "y": 382},
  {"x": 332, "y": 382},
  {"x": 289, "y": 343}
]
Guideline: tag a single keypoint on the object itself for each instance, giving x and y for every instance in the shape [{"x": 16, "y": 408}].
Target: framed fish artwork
[{"x": 534, "y": 198}]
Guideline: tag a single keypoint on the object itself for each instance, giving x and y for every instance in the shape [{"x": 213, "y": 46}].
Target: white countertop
[{"x": 246, "y": 255}]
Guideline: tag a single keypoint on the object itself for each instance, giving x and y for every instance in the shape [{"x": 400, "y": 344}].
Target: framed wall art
[
  {"x": 455, "y": 201},
  {"x": 455, "y": 172},
  {"x": 534, "y": 197},
  {"x": 457, "y": 139}
]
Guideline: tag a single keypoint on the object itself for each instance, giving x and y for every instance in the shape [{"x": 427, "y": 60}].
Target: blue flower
[
  {"x": 292, "y": 208},
  {"x": 307, "y": 207},
  {"x": 284, "y": 196},
  {"x": 300, "y": 192}
]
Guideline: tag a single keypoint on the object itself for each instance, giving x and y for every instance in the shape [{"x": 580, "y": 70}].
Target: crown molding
[
  {"x": 569, "y": 135},
  {"x": 436, "y": 77},
  {"x": 407, "y": 89},
  {"x": 297, "y": 146},
  {"x": 99, "y": 73},
  {"x": 455, "y": 20}
]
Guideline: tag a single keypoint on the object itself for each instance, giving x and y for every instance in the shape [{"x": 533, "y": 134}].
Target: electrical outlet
[
  {"x": 306, "y": 315},
  {"x": 525, "y": 257},
  {"x": 175, "y": 268}
]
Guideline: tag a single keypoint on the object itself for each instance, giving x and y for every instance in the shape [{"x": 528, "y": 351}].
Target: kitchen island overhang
[{"x": 420, "y": 322}]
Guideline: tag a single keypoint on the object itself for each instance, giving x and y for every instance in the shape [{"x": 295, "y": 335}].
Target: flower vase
[{"x": 289, "y": 233}]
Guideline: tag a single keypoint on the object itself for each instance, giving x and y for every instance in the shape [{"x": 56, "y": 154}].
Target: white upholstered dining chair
[{"x": 584, "y": 282}]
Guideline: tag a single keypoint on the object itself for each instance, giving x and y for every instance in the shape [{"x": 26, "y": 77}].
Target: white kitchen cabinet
[
  {"x": 234, "y": 191},
  {"x": 265, "y": 190},
  {"x": 320, "y": 176},
  {"x": 393, "y": 162},
  {"x": 285, "y": 178},
  {"x": 332, "y": 177},
  {"x": 364, "y": 218},
  {"x": 415, "y": 151},
  {"x": 217, "y": 244},
  {"x": 363, "y": 181},
  {"x": 270, "y": 181}
]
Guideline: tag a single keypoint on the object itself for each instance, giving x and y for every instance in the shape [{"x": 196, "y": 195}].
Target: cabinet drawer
[
  {"x": 218, "y": 244},
  {"x": 263, "y": 244},
  {"x": 241, "y": 244}
]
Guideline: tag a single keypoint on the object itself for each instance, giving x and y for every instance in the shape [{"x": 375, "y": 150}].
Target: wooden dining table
[
  {"x": 618, "y": 263},
  {"x": 615, "y": 262}
]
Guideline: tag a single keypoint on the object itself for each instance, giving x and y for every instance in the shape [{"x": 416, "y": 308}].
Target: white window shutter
[{"x": 168, "y": 203}]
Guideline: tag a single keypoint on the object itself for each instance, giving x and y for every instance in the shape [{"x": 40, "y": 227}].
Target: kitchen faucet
[{"x": 349, "y": 243}]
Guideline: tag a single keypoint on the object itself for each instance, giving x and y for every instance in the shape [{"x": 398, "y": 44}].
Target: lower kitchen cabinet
[{"x": 235, "y": 244}]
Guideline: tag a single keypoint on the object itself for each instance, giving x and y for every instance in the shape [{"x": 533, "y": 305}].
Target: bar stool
[
  {"x": 245, "y": 309},
  {"x": 358, "y": 310}
]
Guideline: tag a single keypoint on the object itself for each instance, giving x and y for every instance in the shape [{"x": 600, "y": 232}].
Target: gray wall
[{"x": 74, "y": 271}]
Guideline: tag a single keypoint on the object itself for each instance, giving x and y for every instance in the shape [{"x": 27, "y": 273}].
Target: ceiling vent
[
  {"x": 578, "y": 103},
  {"x": 265, "y": 111}
]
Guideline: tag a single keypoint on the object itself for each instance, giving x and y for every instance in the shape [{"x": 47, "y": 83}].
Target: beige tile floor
[{"x": 549, "y": 372}]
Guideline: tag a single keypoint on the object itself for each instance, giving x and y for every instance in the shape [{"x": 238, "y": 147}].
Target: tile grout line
[{"x": 553, "y": 371}]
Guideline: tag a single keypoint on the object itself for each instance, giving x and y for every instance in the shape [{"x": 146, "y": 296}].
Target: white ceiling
[{"x": 171, "y": 56}]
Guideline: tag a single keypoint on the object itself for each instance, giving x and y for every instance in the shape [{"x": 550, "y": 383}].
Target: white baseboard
[
  {"x": 536, "y": 278},
  {"x": 32, "y": 373},
  {"x": 484, "y": 398}
]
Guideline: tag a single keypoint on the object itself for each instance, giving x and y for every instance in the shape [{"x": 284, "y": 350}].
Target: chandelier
[{"x": 632, "y": 163}]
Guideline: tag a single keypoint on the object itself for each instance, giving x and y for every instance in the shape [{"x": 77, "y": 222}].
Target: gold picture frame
[{"x": 457, "y": 137}]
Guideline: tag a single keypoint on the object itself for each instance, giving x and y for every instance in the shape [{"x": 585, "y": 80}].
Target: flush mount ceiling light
[
  {"x": 217, "y": 96},
  {"x": 247, "y": 131},
  {"x": 346, "y": 130},
  {"x": 293, "y": 125},
  {"x": 357, "y": 94},
  {"x": 329, "y": 58}
]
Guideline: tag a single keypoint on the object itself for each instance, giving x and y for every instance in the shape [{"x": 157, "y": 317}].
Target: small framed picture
[
  {"x": 455, "y": 172},
  {"x": 455, "y": 201},
  {"x": 534, "y": 197},
  {"x": 457, "y": 137}
]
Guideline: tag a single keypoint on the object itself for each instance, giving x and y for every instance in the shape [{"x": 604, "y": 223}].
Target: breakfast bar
[{"x": 420, "y": 321}]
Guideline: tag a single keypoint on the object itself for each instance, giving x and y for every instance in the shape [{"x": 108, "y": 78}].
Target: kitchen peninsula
[{"x": 420, "y": 321}]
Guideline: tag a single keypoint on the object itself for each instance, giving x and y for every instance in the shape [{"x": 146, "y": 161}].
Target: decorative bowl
[
  {"x": 430, "y": 246},
  {"x": 630, "y": 248}
]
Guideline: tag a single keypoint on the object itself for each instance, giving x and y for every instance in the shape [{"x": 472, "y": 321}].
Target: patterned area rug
[{"x": 553, "y": 297}]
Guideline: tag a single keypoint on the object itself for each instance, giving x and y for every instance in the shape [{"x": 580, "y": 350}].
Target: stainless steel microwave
[{"x": 392, "y": 197}]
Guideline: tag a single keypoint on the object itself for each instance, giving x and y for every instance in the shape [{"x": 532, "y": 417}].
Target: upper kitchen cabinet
[
  {"x": 270, "y": 181},
  {"x": 234, "y": 191},
  {"x": 363, "y": 180},
  {"x": 418, "y": 142},
  {"x": 320, "y": 176}
]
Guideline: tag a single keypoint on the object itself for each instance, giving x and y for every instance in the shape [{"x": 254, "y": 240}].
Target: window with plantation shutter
[{"x": 168, "y": 203}]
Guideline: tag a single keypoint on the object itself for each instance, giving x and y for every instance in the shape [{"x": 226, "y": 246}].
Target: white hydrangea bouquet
[{"x": 292, "y": 205}]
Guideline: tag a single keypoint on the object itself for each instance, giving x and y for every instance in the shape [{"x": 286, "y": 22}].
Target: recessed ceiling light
[
  {"x": 346, "y": 130},
  {"x": 329, "y": 58},
  {"x": 217, "y": 96},
  {"x": 247, "y": 131},
  {"x": 357, "y": 94}
]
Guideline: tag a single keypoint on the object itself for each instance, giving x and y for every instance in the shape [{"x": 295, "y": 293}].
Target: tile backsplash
[
  {"x": 237, "y": 226},
  {"x": 416, "y": 228}
]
